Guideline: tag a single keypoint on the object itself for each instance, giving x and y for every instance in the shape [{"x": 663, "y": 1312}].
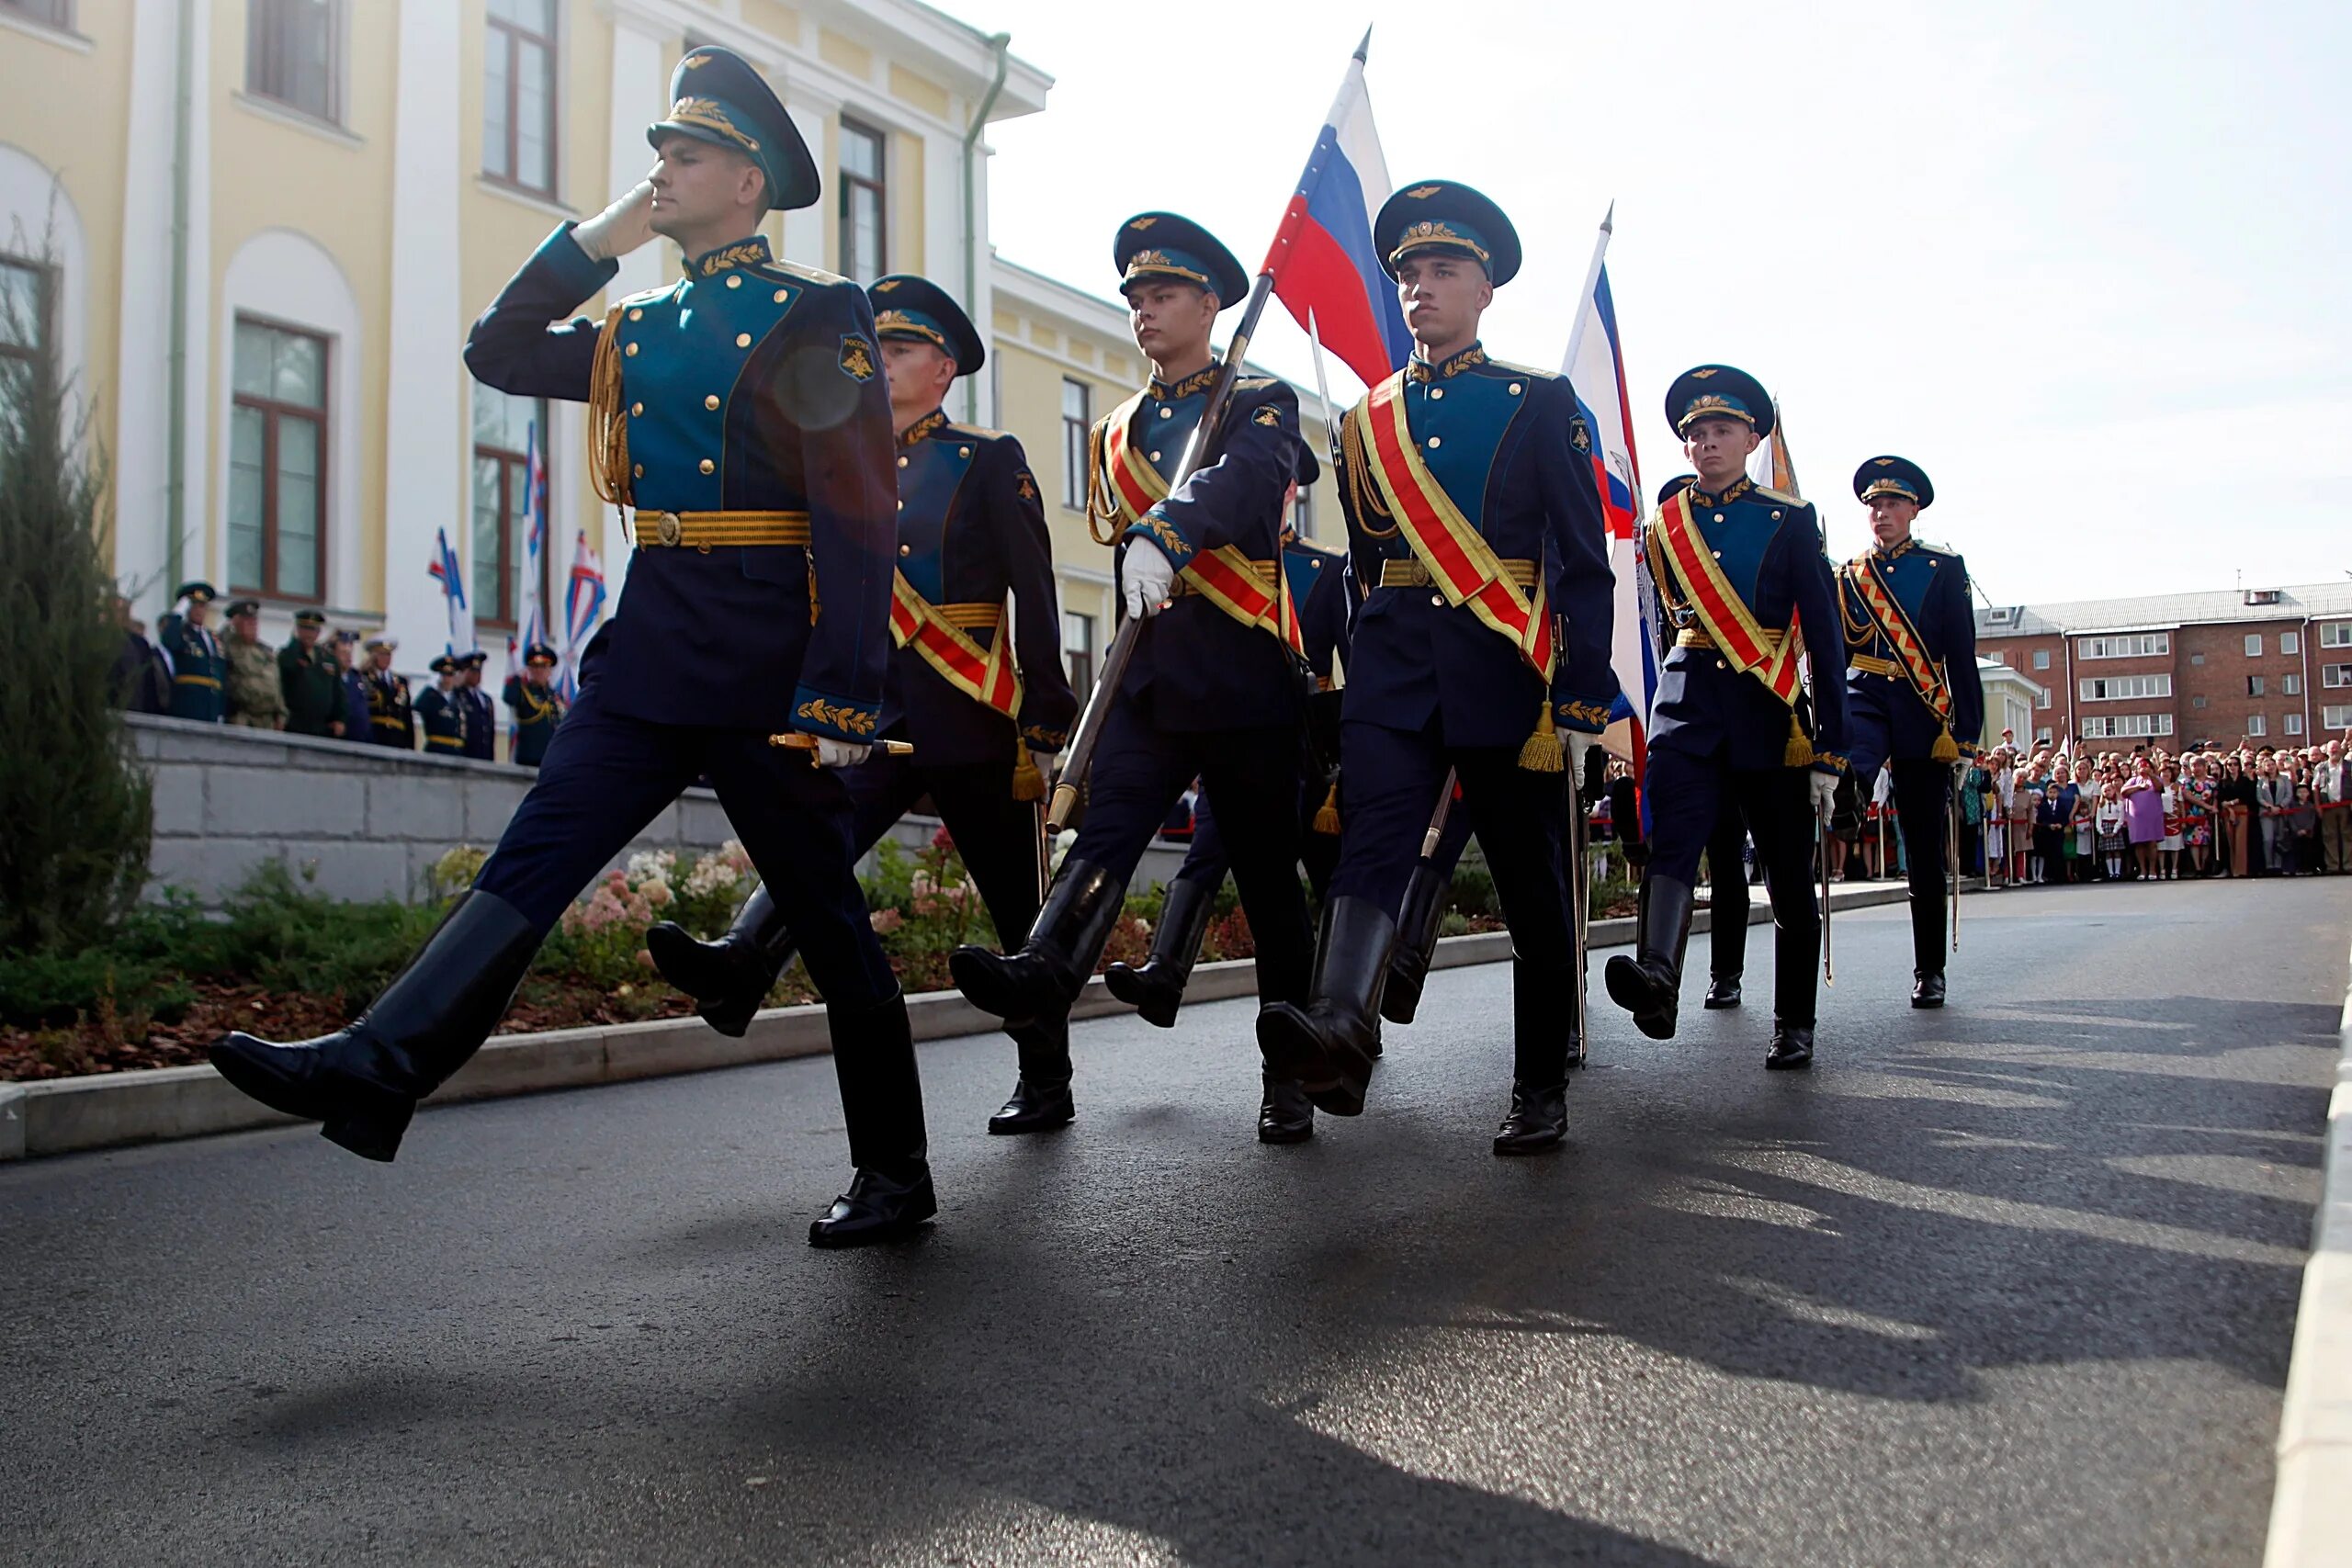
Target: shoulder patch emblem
[
  {"x": 1267, "y": 416},
  {"x": 857, "y": 357},
  {"x": 1024, "y": 486},
  {"x": 1580, "y": 436}
]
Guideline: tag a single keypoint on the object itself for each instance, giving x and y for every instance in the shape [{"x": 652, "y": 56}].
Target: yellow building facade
[{"x": 252, "y": 233}]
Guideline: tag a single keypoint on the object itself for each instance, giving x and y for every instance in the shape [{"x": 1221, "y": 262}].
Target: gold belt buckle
[{"x": 670, "y": 529}]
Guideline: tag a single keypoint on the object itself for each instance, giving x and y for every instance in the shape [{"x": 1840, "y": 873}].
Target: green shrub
[{"x": 54, "y": 990}]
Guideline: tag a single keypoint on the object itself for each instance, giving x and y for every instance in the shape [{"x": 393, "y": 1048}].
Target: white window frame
[
  {"x": 2335, "y": 634},
  {"x": 2123, "y": 688},
  {"x": 2290, "y": 685},
  {"x": 2332, "y": 676},
  {"x": 2041, "y": 659},
  {"x": 2135, "y": 645},
  {"x": 2290, "y": 642},
  {"x": 2253, "y": 645},
  {"x": 2291, "y": 725},
  {"x": 2337, "y": 717},
  {"x": 2256, "y": 726},
  {"x": 2128, "y": 726}
]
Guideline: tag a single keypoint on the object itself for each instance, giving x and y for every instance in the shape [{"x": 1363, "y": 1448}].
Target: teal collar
[
  {"x": 752, "y": 252},
  {"x": 1420, "y": 369},
  {"x": 1700, "y": 497},
  {"x": 1909, "y": 544},
  {"x": 924, "y": 427},
  {"x": 1198, "y": 381}
]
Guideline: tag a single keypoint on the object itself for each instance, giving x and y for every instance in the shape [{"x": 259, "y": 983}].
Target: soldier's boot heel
[
  {"x": 730, "y": 978},
  {"x": 1418, "y": 925},
  {"x": 364, "y": 1081},
  {"x": 1156, "y": 986},
  {"x": 1046, "y": 973},
  {"x": 1649, "y": 984},
  {"x": 1325, "y": 1047}
]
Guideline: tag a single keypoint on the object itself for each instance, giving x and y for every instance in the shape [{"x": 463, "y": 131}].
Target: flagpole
[{"x": 1592, "y": 281}]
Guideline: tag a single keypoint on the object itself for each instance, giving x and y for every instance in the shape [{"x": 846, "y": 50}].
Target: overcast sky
[{"x": 2086, "y": 264}]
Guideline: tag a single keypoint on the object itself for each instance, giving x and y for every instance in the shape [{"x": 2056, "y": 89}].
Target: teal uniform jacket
[
  {"x": 1891, "y": 720},
  {"x": 537, "y": 712},
  {"x": 199, "y": 671}
]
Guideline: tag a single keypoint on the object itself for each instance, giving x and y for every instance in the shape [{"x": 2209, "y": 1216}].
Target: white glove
[
  {"x": 620, "y": 227},
  {"x": 1579, "y": 745},
  {"x": 1046, "y": 761},
  {"x": 832, "y": 753},
  {"x": 1824, "y": 795},
  {"x": 1149, "y": 576}
]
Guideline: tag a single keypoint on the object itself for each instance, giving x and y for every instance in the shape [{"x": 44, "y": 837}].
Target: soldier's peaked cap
[
  {"x": 1893, "y": 475},
  {"x": 715, "y": 97},
  {"x": 1718, "y": 392},
  {"x": 1163, "y": 245},
  {"x": 1445, "y": 218},
  {"x": 916, "y": 309}
]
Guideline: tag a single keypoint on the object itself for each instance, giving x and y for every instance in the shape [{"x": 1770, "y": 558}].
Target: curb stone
[
  {"x": 2311, "y": 1512},
  {"x": 102, "y": 1110}
]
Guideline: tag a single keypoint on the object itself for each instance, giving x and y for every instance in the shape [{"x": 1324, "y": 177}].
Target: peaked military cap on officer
[
  {"x": 446, "y": 664},
  {"x": 471, "y": 655},
  {"x": 1718, "y": 392},
  {"x": 381, "y": 640},
  {"x": 244, "y": 607},
  {"x": 539, "y": 653},
  {"x": 916, "y": 309},
  {"x": 1160, "y": 244},
  {"x": 197, "y": 592},
  {"x": 1675, "y": 487},
  {"x": 1893, "y": 475},
  {"x": 310, "y": 617},
  {"x": 715, "y": 97},
  {"x": 1306, "y": 471},
  {"x": 1449, "y": 219}
]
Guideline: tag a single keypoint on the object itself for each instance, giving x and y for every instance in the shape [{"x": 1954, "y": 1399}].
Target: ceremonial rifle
[{"x": 1089, "y": 733}]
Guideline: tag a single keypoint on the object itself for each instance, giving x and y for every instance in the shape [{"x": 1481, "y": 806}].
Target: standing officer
[
  {"x": 482, "y": 719},
  {"x": 1213, "y": 690},
  {"x": 439, "y": 713},
  {"x": 199, "y": 668},
  {"x": 1470, "y": 502},
  {"x": 741, "y": 413},
  {"x": 392, "y": 720},
  {"x": 1742, "y": 578},
  {"x": 1911, "y": 688},
  {"x": 539, "y": 706},
  {"x": 308, "y": 681},
  {"x": 255, "y": 700},
  {"x": 979, "y": 700}
]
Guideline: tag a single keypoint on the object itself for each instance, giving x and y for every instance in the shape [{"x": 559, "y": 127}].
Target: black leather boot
[
  {"x": 1723, "y": 991},
  {"x": 873, "y": 1058},
  {"x": 1041, "y": 1100},
  {"x": 1416, "y": 929},
  {"x": 730, "y": 978},
  {"x": 1927, "y": 990},
  {"x": 363, "y": 1081},
  {"x": 875, "y": 1207},
  {"x": 1284, "y": 1115},
  {"x": 1927, "y": 947},
  {"x": 1326, "y": 1047},
  {"x": 1726, "y": 936},
  {"x": 1046, "y": 973},
  {"x": 1156, "y": 986},
  {"x": 1791, "y": 1045},
  {"x": 1649, "y": 984},
  {"x": 1538, "y": 1119}
]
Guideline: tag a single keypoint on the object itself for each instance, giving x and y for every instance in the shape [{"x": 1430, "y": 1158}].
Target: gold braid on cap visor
[
  {"x": 1712, "y": 406},
  {"x": 1428, "y": 231},
  {"x": 1160, "y": 263},
  {"x": 705, "y": 114},
  {"x": 1889, "y": 487},
  {"x": 890, "y": 321}
]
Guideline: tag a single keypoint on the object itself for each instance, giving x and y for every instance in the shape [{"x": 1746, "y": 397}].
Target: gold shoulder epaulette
[
  {"x": 1769, "y": 493},
  {"x": 977, "y": 432},
  {"x": 1528, "y": 371},
  {"x": 647, "y": 296},
  {"x": 816, "y": 275},
  {"x": 1255, "y": 383},
  {"x": 1935, "y": 550}
]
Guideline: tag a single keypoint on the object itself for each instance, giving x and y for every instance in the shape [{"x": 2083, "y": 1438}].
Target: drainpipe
[
  {"x": 999, "y": 44},
  {"x": 175, "y": 358}
]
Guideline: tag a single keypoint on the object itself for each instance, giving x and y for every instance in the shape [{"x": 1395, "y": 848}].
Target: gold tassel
[
  {"x": 608, "y": 471},
  {"x": 1946, "y": 748},
  {"x": 1028, "y": 781},
  {"x": 1362, "y": 489},
  {"x": 813, "y": 606},
  {"x": 1542, "y": 753},
  {"x": 1327, "y": 818},
  {"x": 1800, "y": 749}
]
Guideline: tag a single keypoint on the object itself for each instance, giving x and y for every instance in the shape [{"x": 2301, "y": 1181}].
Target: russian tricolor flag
[{"x": 1322, "y": 259}]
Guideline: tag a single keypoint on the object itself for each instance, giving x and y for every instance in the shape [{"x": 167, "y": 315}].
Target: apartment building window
[
  {"x": 509, "y": 432},
  {"x": 2336, "y": 674},
  {"x": 2138, "y": 725},
  {"x": 2290, "y": 642},
  {"x": 2254, "y": 685},
  {"x": 2337, "y": 717},
  {"x": 278, "y": 461},
  {"x": 26, "y": 291},
  {"x": 294, "y": 54},
  {"x": 2042, "y": 736},
  {"x": 1077, "y": 649},
  {"x": 2042, "y": 698},
  {"x": 2256, "y": 724},
  {"x": 2253, "y": 645},
  {"x": 2146, "y": 646},
  {"x": 2335, "y": 634},
  {"x": 49, "y": 13},
  {"x": 1078, "y": 419},
  {"x": 2196, "y": 659},
  {"x": 518, "y": 95},
  {"x": 2041, "y": 659},
  {"x": 2109, "y": 688},
  {"x": 864, "y": 226},
  {"x": 2290, "y": 686},
  {"x": 2292, "y": 724}
]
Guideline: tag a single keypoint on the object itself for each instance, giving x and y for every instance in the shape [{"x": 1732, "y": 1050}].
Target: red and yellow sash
[
  {"x": 1459, "y": 560},
  {"x": 1726, "y": 617},
  {"x": 1222, "y": 576},
  {"x": 1895, "y": 625},
  {"x": 984, "y": 674}
]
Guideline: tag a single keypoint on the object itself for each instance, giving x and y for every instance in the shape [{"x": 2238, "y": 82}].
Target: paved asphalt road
[{"x": 2013, "y": 1283}]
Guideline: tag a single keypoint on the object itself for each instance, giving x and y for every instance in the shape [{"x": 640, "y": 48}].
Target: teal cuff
[
  {"x": 1159, "y": 531},
  {"x": 1584, "y": 718},
  {"x": 842, "y": 719}
]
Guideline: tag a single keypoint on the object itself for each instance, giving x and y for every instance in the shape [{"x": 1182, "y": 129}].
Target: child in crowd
[
  {"x": 2175, "y": 824},
  {"x": 2109, "y": 822}
]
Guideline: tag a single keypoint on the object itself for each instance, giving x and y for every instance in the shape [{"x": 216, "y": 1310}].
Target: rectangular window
[
  {"x": 2197, "y": 660},
  {"x": 2042, "y": 700},
  {"x": 2042, "y": 736},
  {"x": 1078, "y": 418},
  {"x": 50, "y": 12},
  {"x": 2290, "y": 642},
  {"x": 2292, "y": 724},
  {"x": 2147, "y": 645},
  {"x": 508, "y": 432},
  {"x": 2196, "y": 702},
  {"x": 865, "y": 227},
  {"x": 26, "y": 292},
  {"x": 518, "y": 95},
  {"x": 2290, "y": 686},
  {"x": 2337, "y": 717},
  {"x": 2335, "y": 634},
  {"x": 294, "y": 54},
  {"x": 2128, "y": 725},
  {"x": 278, "y": 461},
  {"x": 2257, "y": 725},
  {"x": 2253, "y": 645},
  {"x": 2254, "y": 685},
  {"x": 1302, "y": 513},
  {"x": 2041, "y": 659},
  {"x": 2336, "y": 674},
  {"x": 1077, "y": 649},
  {"x": 2110, "y": 688}
]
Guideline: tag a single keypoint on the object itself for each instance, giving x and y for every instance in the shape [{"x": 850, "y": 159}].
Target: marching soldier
[
  {"x": 391, "y": 718},
  {"x": 482, "y": 719},
  {"x": 1471, "y": 505},
  {"x": 199, "y": 667},
  {"x": 1211, "y": 691},
  {"x": 1740, "y": 572},
  {"x": 538, "y": 705},
  {"x": 439, "y": 713},
  {"x": 307, "y": 677},
  {"x": 740, "y": 412},
  {"x": 1915, "y": 697},
  {"x": 979, "y": 700},
  {"x": 255, "y": 700}
]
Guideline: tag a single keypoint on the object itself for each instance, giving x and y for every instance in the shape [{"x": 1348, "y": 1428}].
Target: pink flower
[
  {"x": 658, "y": 894},
  {"x": 885, "y": 921},
  {"x": 942, "y": 840}
]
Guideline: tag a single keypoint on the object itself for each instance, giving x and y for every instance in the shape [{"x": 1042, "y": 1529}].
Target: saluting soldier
[
  {"x": 439, "y": 713},
  {"x": 1916, "y": 701},
  {"x": 391, "y": 718},
  {"x": 255, "y": 700},
  {"x": 1744, "y": 584},
  {"x": 199, "y": 666},
  {"x": 482, "y": 718},
  {"x": 538, "y": 707},
  {"x": 1483, "y": 650},
  {"x": 309, "y": 680},
  {"x": 979, "y": 699},
  {"x": 1211, "y": 691},
  {"x": 740, "y": 412}
]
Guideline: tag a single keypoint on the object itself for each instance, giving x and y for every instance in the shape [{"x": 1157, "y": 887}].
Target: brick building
[{"x": 2266, "y": 665}]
